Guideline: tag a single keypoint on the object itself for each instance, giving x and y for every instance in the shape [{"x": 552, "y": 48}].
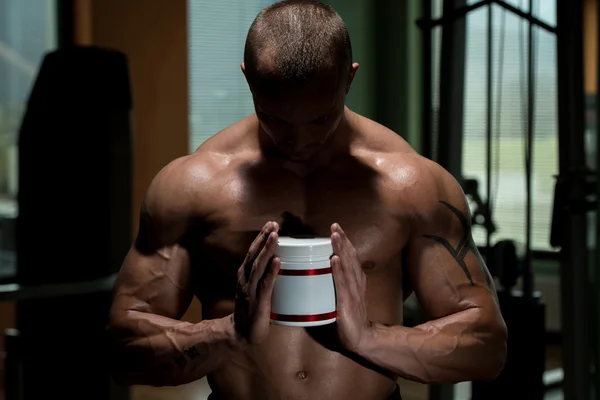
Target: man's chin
[
  {"x": 300, "y": 158},
  {"x": 297, "y": 158}
]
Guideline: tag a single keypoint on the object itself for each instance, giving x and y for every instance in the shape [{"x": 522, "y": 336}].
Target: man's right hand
[{"x": 256, "y": 278}]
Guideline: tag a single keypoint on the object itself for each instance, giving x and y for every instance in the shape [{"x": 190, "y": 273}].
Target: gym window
[
  {"x": 509, "y": 115},
  {"x": 28, "y": 29},
  {"x": 219, "y": 94}
]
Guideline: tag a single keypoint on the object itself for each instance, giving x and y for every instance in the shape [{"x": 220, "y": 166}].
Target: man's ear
[
  {"x": 243, "y": 67},
  {"x": 351, "y": 78}
]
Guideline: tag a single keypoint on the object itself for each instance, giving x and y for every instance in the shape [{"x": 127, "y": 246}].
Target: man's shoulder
[
  {"x": 192, "y": 182},
  {"x": 400, "y": 165},
  {"x": 185, "y": 185},
  {"x": 437, "y": 195},
  {"x": 186, "y": 172},
  {"x": 416, "y": 182}
]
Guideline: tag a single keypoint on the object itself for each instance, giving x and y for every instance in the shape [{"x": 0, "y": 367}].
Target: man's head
[{"x": 298, "y": 63}]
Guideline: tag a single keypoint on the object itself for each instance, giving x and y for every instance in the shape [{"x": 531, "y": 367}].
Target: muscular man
[{"x": 304, "y": 164}]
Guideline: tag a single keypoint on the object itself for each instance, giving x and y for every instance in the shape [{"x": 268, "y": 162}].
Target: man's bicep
[
  {"x": 156, "y": 282},
  {"x": 445, "y": 268},
  {"x": 155, "y": 275}
]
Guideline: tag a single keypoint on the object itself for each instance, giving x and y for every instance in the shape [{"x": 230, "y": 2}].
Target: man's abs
[{"x": 298, "y": 363}]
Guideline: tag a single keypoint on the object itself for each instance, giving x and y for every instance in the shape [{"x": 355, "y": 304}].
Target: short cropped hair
[{"x": 298, "y": 39}]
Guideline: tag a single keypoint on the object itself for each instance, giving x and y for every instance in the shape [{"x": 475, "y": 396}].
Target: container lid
[{"x": 305, "y": 248}]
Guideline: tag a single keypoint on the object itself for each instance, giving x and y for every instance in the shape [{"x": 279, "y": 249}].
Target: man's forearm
[
  {"x": 153, "y": 350},
  {"x": 456, "y": 348}
]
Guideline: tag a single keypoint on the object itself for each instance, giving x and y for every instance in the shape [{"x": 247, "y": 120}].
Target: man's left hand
[{"x": 351, "y": 285}]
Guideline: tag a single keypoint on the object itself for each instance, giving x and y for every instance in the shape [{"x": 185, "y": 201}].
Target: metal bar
[
  {"x": 452, "y": 15},
  {"x": 461, "y": 12},
  {"x": 65, "y": 19},
  {"x": 574, "y": 261},
  {"x": 452, "y": 86},
  {"x": 596, "y": 265},
  {"x": 488, "y": 169},
  {"x": 427, "y": 77},
  {"x": 441, "y": 392},
  {"x": 13, "y": 365},
  {"x": 528, "y": 16},
  {"x": 527, "y": 271}
]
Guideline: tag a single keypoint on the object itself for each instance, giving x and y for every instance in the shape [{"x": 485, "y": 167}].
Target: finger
[
  {"x": 339, "y": 280},
  {"x": 335, "y": 228},
  {"x": 260, "y": 263},
  {"x": 337, "y": 244},
  {"x": 255, "y": 249},
  {"x": 340, "y": 252},
  {"x": 267, "y": 283},
  {"x": 344, "y": 242},
  {"x": 352, "y": 253},
  {"x": 350, "y": 263}
]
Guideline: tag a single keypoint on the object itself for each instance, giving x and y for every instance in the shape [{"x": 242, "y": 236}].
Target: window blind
[
  {"x": 509, "y": 119},
  {"x": 219, "y": 95}
]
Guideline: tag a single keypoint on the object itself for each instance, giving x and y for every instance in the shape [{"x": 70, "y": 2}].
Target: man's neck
[{"x": 337, "y": 145}]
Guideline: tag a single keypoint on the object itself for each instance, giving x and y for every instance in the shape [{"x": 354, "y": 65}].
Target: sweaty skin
[{"x": 407, "y": 224}]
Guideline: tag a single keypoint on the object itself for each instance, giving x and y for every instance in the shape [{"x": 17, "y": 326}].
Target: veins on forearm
[{"x": 465, "y": 245}]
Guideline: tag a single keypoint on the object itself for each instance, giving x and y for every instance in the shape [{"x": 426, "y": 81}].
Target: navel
[{"x": 302, "y": 375}]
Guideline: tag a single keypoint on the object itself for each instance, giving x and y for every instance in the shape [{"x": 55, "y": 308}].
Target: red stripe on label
[
  {"x": 305, "y": 272},
  {"x": 303, "y": 318}
]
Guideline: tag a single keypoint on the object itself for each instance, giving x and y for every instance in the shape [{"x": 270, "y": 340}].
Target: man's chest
[{"x": 369, "y": 220}]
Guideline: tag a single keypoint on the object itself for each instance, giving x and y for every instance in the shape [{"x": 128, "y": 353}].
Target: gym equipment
[
  {"x": 570, "y": 212},
  {"x": 523, "y": 310},
  {"x": 524, "y": 315},
  {"x": 74, "y": 224},
  {"x": 75, "y": 168}
]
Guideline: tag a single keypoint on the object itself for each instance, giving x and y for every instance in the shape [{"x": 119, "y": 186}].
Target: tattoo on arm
[
  {"x": 189, "y": 354},
  {"x": 179, "y": 360},
  {"x": 465, "y": 245}
]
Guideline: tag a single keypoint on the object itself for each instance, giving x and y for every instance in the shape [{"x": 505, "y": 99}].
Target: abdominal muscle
[{"x": 294, "y": 363}]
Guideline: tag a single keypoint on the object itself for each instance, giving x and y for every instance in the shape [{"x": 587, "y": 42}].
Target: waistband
[{"x": 394, "y": 396}]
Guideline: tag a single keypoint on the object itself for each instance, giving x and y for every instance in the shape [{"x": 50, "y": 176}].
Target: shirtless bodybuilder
[{"x": 304, "y": 164}]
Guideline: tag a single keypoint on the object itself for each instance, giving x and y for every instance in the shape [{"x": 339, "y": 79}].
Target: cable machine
[{"x": 523, "y": 310}]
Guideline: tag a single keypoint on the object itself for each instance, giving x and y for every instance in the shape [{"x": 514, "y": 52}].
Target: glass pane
[
  {"x": 219, "y": 94},
  {"x": 509, "y": 123},
  {"x": 436, "y": 8},
  {"x": 27, "y": 32},
  {"x": 475, "y": 107},
  {"x": 545, "y": 11},
  {"x": 545, "y": 148},
  {"x": 522, "y": 5}
]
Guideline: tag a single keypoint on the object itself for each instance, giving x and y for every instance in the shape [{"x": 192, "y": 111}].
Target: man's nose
[{"x": 300, "y": 138}]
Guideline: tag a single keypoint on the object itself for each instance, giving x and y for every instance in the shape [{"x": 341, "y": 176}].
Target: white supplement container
[{"x": 304, "y": 292}]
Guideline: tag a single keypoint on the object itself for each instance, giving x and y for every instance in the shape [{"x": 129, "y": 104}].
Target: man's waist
[{"x": 266, "y": 392}]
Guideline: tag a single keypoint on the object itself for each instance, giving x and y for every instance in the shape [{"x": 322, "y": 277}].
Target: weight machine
[{"x": 523, "y": 310}]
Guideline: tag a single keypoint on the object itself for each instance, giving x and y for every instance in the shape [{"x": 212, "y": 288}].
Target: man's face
[{"x": 300, "y": 120}]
